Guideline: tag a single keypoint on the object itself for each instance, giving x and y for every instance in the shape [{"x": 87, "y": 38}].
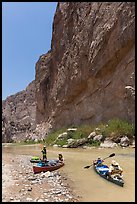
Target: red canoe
[{"x": 38, "y": 169}]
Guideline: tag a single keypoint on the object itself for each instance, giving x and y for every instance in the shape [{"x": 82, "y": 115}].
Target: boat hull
[
  {"x": 34, "y": 161},
  {"x": 37, "y": 161},
  {"x": 38, "y": 169},
  {"x": 119, "y": 182}
]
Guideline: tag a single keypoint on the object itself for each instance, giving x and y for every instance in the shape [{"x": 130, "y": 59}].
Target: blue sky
[{"x": 26, "y": 34}]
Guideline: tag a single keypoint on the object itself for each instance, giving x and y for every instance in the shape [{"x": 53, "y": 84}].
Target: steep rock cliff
[
  {"x": 88, "y": 75},
  {"x": 18, "y": 115}
]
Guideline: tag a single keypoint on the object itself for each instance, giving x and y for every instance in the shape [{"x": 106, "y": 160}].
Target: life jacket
[
  {"x": 44, "y": 152},
  {"x": 99, "y": 161},
  {"x": 116, "y": 170}
]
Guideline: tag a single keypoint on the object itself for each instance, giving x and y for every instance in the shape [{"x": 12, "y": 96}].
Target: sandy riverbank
[{"x": 19, "y": 184}]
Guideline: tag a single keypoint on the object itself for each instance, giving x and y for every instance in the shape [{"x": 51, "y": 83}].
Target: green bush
[
  {"x": 51, "y": 137},
  {"x": 118, "y": 128},
  {"x": 93, "y": 143},
  {"x": 83, "y": 131},
  {"x": 61, "y": 142}
]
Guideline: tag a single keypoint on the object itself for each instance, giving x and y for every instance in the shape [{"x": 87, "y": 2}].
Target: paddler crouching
[
  {"x": 115, "y": 169},
  {"x": 60, "y": 157}
]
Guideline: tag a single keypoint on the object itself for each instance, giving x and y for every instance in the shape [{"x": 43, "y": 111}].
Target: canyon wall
[
  {"x": 88, "y": 75},
  {"x": 18, "y": 115}
]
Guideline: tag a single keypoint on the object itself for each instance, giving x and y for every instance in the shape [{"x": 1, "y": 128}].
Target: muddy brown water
[{"x": 85, "y": 182}]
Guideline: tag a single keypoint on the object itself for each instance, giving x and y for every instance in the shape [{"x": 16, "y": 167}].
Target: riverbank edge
[
  {"x": 12, "y": 187},
  {"x": 79, "y": 147}
]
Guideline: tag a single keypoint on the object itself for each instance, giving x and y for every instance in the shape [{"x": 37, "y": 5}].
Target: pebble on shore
[{"x": 20, "y": 184}]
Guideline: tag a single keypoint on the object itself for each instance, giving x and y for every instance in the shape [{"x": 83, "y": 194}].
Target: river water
[{"x": 85, "y": 182}]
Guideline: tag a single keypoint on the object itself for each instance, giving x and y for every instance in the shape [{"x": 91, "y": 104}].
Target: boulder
[
  {"x": 108, "y": 144},
  {"x": 92, "y": 134},
  {"x": 79, "y": 142},
  {"x": 62, "y": 136},
  {"x": 124, "y": 142},
  {"x": 70, "y": 141},
  {"x": 71, "y": 129},
  {"x": 98, "y": 138}
]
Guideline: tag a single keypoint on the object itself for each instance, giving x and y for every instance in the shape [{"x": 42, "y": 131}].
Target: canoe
[
  {"x": 103, "y": 169},
  {"x": 39, "y": 160},
  {"x": 47, "y": 167},
  {"x": 35, "y": 160}
]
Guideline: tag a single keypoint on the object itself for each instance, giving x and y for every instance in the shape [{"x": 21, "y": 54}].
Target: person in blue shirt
[{"x": 99, "y": 161}]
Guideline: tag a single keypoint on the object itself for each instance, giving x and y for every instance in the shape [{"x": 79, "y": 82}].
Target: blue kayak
[{"x": 103, "y": 170}]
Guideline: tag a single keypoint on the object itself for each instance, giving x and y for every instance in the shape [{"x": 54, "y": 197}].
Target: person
[
  {"x": 60, "y": 157},
  {"x": 115, "y": 169},
  {"x": 44, "y": 153},
  {"x": 99, "y": 161}
]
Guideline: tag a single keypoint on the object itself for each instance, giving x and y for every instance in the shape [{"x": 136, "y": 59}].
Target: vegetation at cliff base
[
  {"x": 113, "y": 129},
  {"x": 117, "y": 128}
]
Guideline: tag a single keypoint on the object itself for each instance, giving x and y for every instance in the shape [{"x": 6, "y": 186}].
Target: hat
[
  {"x": 114, "y": 163},
  {"x": 44, "y": 146}
]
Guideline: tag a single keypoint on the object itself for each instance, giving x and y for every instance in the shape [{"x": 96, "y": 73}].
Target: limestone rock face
[
  {"x": 18, "y": 114},
  {"x": 88, "y": 75}
]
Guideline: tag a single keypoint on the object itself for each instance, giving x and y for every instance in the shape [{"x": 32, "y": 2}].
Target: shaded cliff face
[
  {"x": 18, "y": 114},
  {"x": 88, "y": 75}
]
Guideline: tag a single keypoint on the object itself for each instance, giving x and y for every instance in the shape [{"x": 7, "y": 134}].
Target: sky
[{"x": 26, "y": 34}]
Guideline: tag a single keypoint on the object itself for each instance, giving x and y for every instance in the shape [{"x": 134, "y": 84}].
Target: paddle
[{"x": 111, "y": 155}]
